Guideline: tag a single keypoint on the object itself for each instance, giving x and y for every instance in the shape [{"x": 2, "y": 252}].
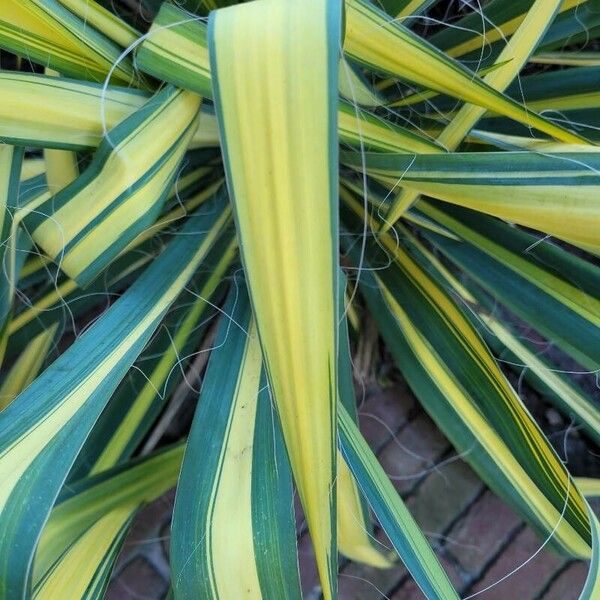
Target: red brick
[
  {"x": 411, "y": 591},
  {"x": 527, "y": 582},
  {"x": 479, "y": 535},
  {"x": 413, "y": 453},
  {"x": 150, "y": 534},
  {"x": 383, "y": 413},
  {"x": 363, "y": 587},
  {"x": 358, "y": 582},
  {"x": 442, "y": 497},
  {"x": 569, "y": 583},
  {"x": 453, "y": 571},
  {"x": 165, "y": 540},
  {"x": 137, "y": 580},
  {"x": 309, "y": 577},
  {"x": 362, "y": 582},
  {"x": 299, "y": 513},
  {"x": 149, "y": 519},
  {"x": 445, "y": 494}
]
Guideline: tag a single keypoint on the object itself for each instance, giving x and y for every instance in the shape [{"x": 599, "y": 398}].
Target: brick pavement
[{"x": 476, "y": 536}]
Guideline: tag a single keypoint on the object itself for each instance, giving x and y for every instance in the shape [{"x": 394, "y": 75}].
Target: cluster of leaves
[{"x": 219, "y": 168}]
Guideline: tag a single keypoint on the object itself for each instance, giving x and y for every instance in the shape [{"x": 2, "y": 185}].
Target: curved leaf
[
  {"x": 233, "y": 521},
  {"x": 286, "y": 216}
]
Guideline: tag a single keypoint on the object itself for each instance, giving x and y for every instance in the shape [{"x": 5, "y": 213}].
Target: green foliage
[{"x": 179, "y": 212}]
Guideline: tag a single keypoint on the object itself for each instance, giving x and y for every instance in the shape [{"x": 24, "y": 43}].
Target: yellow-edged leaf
[
  {"x": 512, "y": 58},
  {"x": 284, "y": 55}
]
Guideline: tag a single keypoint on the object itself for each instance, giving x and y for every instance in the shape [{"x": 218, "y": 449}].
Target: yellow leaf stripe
[
  {"x": 233, "y": 515},
  {"x": 357, "y": 126},
  {"x": 73, "y": 113},
  {"x": 11, "y": 160},
  {"x": 382, "y": 45},
  {"x": 413, "y": 7},
  {"x": 61, "y": 169},
  {"x": 16, "y": 458},
  {"x": 27, "y": 366},
  {"x": 89, "y": 500},
  {"x": 354, "y": 539},
  {"x": 499, "y": 31},
  {"x": 354, "y": 87},
  {"x": 38, "y": 448},
  {"x": 31, "y": 167},
  {"x": 113, "y": 27},
  {"x": 565, "y": 292},
  {"x": 354, "y": 528},
  {"x": 232, "y": 490},
  {"x": 176, "y": 50},
  {"x": 116, "y": 444},
  {"x": 584, "y": 59},
  {"x": 281, "y": 202},
  {"x": 510, "y": 61},
  {"x": 7, "y": 155},
  {"x": 574, "y": 401},
  {"x": 75, "y": 573},
  {"x": 545, "y": 511},
  {"x": 531, "y": 189},
  {"x": 61, "y": 165},
  {"x": 588, "y": 486},
  {"x": 53, "y": 36},
  {"x": 122, "y": 191}
]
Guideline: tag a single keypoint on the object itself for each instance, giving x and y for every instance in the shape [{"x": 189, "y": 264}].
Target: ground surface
[{"x": 477, "y": 537}]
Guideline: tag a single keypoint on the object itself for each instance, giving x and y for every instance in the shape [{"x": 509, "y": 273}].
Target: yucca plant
[{"x": 240, "y": 185}]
